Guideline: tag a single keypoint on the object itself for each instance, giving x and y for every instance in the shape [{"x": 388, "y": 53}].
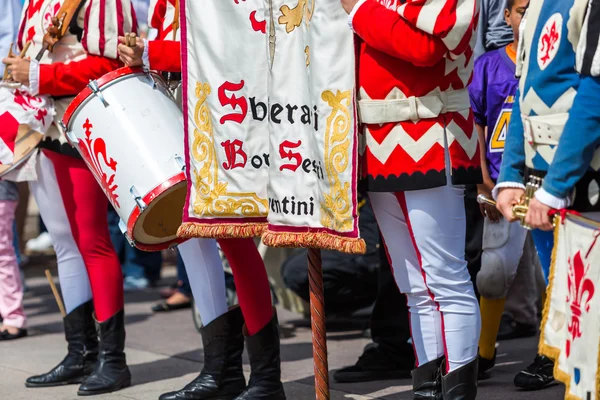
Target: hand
[
  {"x": 507, "y": 198},
  {"x": 488, "y": 210},
  {"x": 18, "y": 69},
  {"x": 349, "y": 5},
  {"x": 538, "y": 215},
  {"x": 131, "y": 56}
]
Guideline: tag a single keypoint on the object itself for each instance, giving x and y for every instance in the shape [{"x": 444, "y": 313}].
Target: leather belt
[{"x": 544, "y": 129}]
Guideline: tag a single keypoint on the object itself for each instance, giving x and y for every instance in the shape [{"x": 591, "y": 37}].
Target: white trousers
[
  {"x": 424, "y": 234},
  {"x": 74, "y": 281},
  {"x": 207, "y": 280}
]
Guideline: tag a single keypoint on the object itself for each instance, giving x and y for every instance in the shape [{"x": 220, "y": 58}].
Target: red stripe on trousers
[
  {"x": 402, "y": 201},
  {"x": 87, "y": 207},
  {"x": 251, "y": 282}
]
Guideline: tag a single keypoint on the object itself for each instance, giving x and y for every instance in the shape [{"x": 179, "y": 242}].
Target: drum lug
[
  {"x": 180, "y": 162},
  {"x": 69, "y": 135},
  {"x": 93, "y": 85},
  {"x": 123, "y": 229},
  {"x": 138, "y": 199}
]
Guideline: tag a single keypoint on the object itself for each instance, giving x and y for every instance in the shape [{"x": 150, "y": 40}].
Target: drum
[
  {"x": 23, "y": 121},
  {"x": 129, "y": 131}
]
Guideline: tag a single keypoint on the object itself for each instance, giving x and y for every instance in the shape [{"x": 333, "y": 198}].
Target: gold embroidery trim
[
  {"x": 292, "y": 17},
  {"x": 336, "y": 208},
  {"x": 212, "y": 198}
]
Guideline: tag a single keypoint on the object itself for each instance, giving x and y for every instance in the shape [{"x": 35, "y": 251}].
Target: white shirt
[{"x": 9, "y": 26}]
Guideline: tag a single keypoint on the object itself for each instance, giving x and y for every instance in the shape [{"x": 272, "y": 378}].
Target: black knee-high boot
[
  {"x": 427, "y": 381},
  {"x": 461, "y": 384},
  {"x": 265, "y": 364},
  {"x": 111, "y": 372},
  {"x": 82, "y": 339},
  {"x": 222, "y": 377}
]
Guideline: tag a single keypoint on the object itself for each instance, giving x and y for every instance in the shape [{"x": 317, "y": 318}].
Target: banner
[
  {"x": 271, "y": 123},
  {"x": 571, "y": 324}
]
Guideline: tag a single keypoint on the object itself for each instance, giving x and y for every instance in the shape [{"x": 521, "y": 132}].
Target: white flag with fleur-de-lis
[{"x": 571, "y": 323}]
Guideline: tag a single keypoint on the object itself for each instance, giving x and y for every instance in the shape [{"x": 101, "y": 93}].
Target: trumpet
[{"x": 519, "y": 210}]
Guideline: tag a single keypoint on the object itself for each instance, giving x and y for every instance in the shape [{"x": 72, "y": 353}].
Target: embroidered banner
[
  {"x": 571, "y": 322},
  {"x": 271, "y": 123}
]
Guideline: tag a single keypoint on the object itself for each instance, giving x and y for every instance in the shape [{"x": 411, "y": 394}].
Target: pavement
[{"x": 164, "y": 353}]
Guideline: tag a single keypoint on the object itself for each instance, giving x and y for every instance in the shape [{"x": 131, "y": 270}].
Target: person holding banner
[
  {"x": 556, "y": 140},
  {"x": 71, "y": 202},
  {"x": 415, "y": 62},
  {"x": 223, "y": 332}
]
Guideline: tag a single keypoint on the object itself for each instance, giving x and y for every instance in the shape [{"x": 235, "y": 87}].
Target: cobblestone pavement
[{"x": 163, "y": 354}]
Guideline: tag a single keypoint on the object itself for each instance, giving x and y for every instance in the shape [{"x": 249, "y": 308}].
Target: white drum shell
[{"x": 143, "y": 131}]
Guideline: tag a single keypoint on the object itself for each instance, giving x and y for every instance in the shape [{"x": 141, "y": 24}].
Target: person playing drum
[
  {"x": 222, "y": 336},
  {"x": 415, "y": 61},
  {"x": 556, "y": 140},
  {"x": 72, "y": 204}
]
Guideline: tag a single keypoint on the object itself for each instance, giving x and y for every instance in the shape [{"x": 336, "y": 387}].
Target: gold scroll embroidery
[
  {"x": 336, "y": 208},
  {"x": 292, "y": 17},
  {"x": 212, "y": 198}
]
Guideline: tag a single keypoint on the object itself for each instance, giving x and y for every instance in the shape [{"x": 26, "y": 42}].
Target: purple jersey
[{"x": 492, "y": 93}]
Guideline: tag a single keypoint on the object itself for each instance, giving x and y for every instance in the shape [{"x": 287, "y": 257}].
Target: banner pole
[{"x": 317, "y": 317}]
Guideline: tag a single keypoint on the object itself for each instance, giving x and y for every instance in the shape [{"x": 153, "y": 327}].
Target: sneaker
[
  {"x": 375, "y": 364},
  {"x": 131, "y": 283},
  {"x": 511, "y": 329},
  {"x": 40, "y": 244},
  {"x": 536, "y": 376},
  {"x": 485, "y": 366}
]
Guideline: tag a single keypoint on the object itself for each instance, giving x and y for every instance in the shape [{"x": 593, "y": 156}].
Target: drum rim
[
  {"x": 148, "y": 197},
  {"x": 103, "y": 81}
]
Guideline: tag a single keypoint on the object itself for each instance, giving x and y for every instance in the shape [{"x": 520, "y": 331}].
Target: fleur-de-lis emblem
[
  {"x": 581, "y": 291},
  {"x": 94, "y": 151}
]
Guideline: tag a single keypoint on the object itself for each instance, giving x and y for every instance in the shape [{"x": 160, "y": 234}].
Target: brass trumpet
[{"x": 519, "y": 210}]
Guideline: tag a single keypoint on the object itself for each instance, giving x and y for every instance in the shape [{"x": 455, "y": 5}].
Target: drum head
[
  {"x": 159, "y": 222},
  {"x": 25, "y": 144}
]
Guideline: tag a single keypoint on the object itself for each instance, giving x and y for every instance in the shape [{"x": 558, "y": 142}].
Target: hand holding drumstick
[
  {"x": 17, "y": 67},
  {"x": 131, "y": 50}
]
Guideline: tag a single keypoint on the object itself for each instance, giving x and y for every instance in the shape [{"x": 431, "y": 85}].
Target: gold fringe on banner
[
  {"x": 189, "y": 230},
  {"x": 318, "y": 240},
  {"x": 547, "y": 350}
]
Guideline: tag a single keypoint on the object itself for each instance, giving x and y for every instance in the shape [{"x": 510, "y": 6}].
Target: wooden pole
[
  {"x": 56, "y": 295},
  {"x": 317, "y": 317}
]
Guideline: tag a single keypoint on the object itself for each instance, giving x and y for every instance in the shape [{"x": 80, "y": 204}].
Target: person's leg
[
  {"x": 251, "y": 282},
  {"x": 424, "y": 234},
  {"x": 183, "y": 281},
  {"x": 207, "y": 280},
  {"x": 87, "y": 207},
  {"x": 11, "y": 291},
  {"x": 72, "y": 274},
  {"x": 261, "y": 327},
  {"x": 79, "y": 325},
  {"x": 222, "y": 376}
]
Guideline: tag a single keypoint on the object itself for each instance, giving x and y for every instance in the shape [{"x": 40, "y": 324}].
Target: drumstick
[
  {"x": 131, "y": 39},
  {"x": 11, "y": 54},
  {"x": 56, "y": 295}
]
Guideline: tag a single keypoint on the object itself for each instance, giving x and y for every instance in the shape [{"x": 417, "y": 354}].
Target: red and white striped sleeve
[
  {"x": 421, "y": 31},
  {"x": 104, "y": 22}
]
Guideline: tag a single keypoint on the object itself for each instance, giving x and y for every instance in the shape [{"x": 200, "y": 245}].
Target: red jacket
[
  {"x": 163, "y": 54},
  {"x": 416, "y": 49},
  {"x": 76, "y": 60}
]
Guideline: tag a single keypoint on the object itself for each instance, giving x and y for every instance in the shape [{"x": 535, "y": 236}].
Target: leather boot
[
  {"x": 111, "y": 372},
  {"x": 82, "y": 351},
  {"x": 265, "y": 364},
  {"x": 427, "y": 381},
  {"x": 222, "y": 377},
  {"x": 461, "y": 384}
]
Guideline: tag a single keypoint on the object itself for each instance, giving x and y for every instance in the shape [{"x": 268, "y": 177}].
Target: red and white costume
[
  {"x": 206, "y": 278},
  {"x": 81, "y": 240},
  {"x": 415, "y": 62}
]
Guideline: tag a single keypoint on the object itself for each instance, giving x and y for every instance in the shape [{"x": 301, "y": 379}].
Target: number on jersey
[{"x": 499, "y": 133}]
